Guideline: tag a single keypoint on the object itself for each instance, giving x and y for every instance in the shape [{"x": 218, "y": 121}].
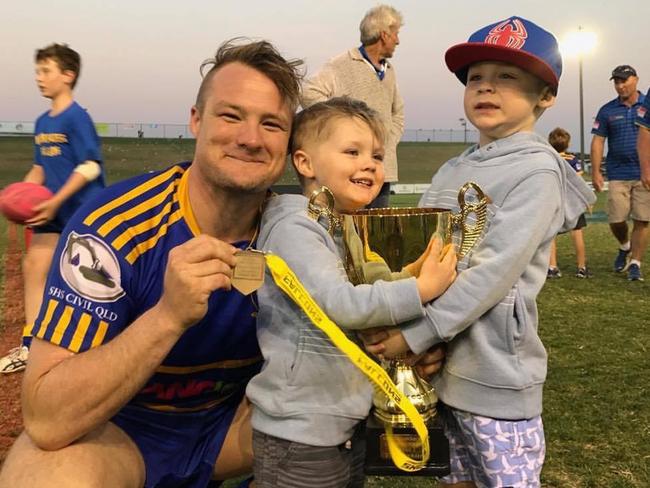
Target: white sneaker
[{"x": 14, "y": 361}]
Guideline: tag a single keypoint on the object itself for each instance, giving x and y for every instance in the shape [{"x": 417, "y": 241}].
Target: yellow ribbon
[{"x": 289, "y": 283}]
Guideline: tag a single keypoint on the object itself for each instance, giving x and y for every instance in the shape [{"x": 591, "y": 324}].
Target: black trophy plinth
[{"x": 378, "y": 460}]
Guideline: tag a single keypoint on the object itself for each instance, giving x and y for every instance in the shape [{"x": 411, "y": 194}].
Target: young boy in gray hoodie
[
  {"x": 309, "y": 397},
  {"x": 496, "y": 364}
]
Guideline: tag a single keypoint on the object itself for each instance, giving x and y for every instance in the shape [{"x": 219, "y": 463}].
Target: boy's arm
[
  {"x": 322, "y": 273},
  {"x": 35, "y": 175},
  {"x": 513, "y": 238},
  {"x": 47, "y": 210}
]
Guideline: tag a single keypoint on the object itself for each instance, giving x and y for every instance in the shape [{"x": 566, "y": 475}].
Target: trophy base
[{"x": 378, "y": 461}]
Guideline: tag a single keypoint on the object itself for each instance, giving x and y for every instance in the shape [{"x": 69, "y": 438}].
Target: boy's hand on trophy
[
  {"x": 429, "y": 363},
  {"x": 394, "y": 344},
  {"x": 415, "y": 267},
  {"x": 438, "y": 270},
  {"x": 372, "y": 339}
]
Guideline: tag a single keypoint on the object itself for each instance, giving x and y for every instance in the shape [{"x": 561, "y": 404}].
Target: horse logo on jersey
[
  {"x": 509, "y": 33},
  {"x": 90, "y": 268}
]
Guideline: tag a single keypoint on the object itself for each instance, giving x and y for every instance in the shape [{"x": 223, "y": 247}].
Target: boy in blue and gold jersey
[
  {"x": 142, "y": 350},
  {"x": 67, "y": 160}
]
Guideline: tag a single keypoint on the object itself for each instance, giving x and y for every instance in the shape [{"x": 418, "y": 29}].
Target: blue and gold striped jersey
[{"x": 108, "y": 269}]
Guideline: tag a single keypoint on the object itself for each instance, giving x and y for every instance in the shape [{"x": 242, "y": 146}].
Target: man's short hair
[
  {"x": 66, "y": 58},
  {"x": 382, "y": 18},
  {"x": 261, "y": 56},
  {"x": 314, "y": 122},
  {"x": 559, "y": 139}
]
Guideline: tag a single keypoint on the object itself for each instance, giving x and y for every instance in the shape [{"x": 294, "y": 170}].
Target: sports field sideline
[{"x": 597, "y": 414}]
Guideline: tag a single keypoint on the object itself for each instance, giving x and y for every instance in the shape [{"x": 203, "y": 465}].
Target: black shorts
[{"x": 582, "y": 222}]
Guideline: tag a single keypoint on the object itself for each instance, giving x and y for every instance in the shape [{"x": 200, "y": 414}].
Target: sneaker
[
  {"x": 553, "y": 272},
  {"x": 621, "y": 262},
  {"x": 583, "y": 273},
  {"x": 15, "y": 361},
  {"x": 634, "y": 273}
]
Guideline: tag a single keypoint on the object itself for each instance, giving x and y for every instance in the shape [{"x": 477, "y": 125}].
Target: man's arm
[
  {"x": 397, "y": 117},
  {"x": 597, "y": 150},
  {"x": 643, "y": 148},
  {"x": 67, "y": 395},
  {"x": 319, "y": 88}
]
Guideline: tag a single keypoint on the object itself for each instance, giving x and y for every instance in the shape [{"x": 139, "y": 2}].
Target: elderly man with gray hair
[{"x": 364, "y": 73}]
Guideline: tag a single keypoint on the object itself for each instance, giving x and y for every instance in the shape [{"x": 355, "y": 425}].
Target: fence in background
[{"x": 175, "y": 131}]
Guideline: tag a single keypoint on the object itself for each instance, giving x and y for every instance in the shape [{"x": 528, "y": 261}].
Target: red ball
[{"x": 17, "y": 201}]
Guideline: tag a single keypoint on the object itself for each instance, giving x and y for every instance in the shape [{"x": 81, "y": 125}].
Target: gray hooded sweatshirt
[
  {"x": 308, "y": 391},
  {"x": 496, "y": 363}
]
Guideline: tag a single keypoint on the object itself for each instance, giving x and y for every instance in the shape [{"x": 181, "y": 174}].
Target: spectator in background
[
  {"x": 365, "y": 73},
  {"x": 627, "y": 196},
  {"x": 643, "y": 140},
  {"x": 560, "y": 139},
  {"x": 67, "y": 160}
]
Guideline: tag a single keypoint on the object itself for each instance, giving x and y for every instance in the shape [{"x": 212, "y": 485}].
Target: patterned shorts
[{"x": 494, "y": 453}]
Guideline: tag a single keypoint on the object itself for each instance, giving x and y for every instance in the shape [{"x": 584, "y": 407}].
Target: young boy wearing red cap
[{"x": 491, "y": 384}]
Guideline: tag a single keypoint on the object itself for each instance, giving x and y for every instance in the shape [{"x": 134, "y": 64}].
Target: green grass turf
[{"x": 596, "y": 408}]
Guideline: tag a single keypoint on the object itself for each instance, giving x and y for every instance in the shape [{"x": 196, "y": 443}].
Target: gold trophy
[{"x": 391, "y": 238}]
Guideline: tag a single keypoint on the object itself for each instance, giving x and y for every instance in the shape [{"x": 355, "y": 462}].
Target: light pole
[
  {"x": 578, "y": 44},
  {"x": 463, "y": 123}
]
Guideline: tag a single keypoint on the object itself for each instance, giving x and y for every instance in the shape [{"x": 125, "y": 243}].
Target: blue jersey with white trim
[
  {"x": 61, "y": 143},
  {"x": 108, "y": 270}
]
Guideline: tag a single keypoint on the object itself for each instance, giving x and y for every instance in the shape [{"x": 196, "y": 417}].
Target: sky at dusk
[{"x": 141, "y": 57}]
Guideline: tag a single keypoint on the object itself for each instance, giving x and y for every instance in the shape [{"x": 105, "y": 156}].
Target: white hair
[{"x": 382, "y": 18}]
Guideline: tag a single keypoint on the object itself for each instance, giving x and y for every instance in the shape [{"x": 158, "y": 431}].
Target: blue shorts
[
  {"x": 179, "y": 449},
  {"x": 492, "y": 452}
]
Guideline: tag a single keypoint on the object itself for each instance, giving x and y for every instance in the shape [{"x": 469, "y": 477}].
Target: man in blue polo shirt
[{"x": 627, "y": 196}]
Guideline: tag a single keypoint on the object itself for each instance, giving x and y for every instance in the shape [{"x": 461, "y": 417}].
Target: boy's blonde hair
[
  {"x": 315, "y": 122},
  {"x": 559, "y": 139}
]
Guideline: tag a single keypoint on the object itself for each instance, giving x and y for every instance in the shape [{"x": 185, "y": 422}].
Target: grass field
[{"x": 597, "y": 332}]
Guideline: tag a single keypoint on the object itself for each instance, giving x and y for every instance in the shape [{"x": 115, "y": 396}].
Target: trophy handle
[
  {"x": 470, "y": 233},
  {"x": 316, "y": 210}
]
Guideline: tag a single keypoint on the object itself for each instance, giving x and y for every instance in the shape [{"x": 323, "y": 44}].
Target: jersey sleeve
[
  {"x": 85, "y": 141},
  {"x": 37, "y": 147},
  {"x": 87, "y": 300},
  {"x": 600, "y": 124}
]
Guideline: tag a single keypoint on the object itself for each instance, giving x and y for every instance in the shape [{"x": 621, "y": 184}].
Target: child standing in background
[
  {"x": 560, "y": 139},
  {"x": 67, "y": 160}
]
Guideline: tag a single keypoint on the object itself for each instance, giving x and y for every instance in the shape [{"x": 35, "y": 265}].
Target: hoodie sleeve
[
  {"x": 514, "y": 235},
  {"x": 308, "y": 250}
]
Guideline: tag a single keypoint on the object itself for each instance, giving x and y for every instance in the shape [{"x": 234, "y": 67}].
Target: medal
[{"x": 248, "y": 274}]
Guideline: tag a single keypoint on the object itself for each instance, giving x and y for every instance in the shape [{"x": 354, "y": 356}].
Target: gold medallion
[{"x": 248, "y": 274}]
